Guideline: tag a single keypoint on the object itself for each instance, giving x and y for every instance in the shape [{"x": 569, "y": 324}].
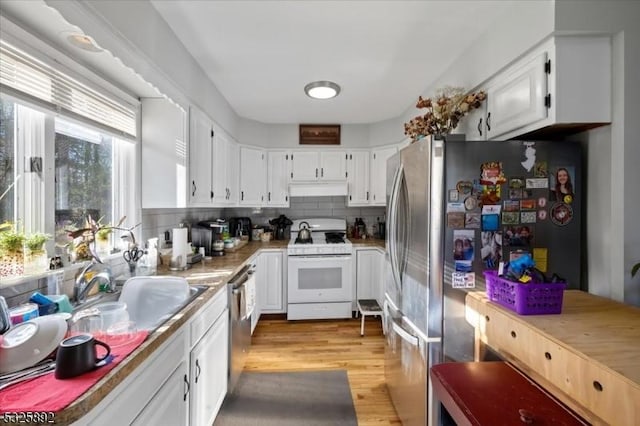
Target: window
[
  {"x": 7, "y": 158},
  {"x": 83, "y": 176}
]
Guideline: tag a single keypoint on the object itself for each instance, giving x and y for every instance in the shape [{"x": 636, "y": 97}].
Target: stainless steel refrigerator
[{"x": 455, "y": 209}]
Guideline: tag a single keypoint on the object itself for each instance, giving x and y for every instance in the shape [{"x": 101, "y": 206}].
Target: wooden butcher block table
[{"x": 588, "y": 356}]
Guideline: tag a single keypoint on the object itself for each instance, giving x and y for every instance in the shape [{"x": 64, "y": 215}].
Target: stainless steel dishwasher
[{"x": 241, "y": 305}]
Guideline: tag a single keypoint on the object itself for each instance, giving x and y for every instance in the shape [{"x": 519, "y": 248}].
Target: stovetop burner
[{"x": 334, "y": 237}]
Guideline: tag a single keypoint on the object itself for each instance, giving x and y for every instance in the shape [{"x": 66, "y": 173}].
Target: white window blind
[{"x": 27, "y": 75}]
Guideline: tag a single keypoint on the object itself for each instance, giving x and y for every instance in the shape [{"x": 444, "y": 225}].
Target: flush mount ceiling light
[
  {"x": 83, "y": 42},
  {"x": 322, "y": 89}
]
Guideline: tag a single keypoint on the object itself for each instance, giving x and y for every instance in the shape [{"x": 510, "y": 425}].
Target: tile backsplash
[{"x": 156, "y": 221}]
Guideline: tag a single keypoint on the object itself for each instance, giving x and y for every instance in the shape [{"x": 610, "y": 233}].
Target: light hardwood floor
[{"x": 280, "y": 345}]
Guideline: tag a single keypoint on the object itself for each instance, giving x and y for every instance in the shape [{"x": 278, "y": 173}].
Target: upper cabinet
[
  {"x": 562, "y": 86},
  {"x": 358, "y": 178},
  {"x": 378, "y": 182},
  {"x": 253, "y": 179},
  {"x": 311, "y": 166},
  {"x": 213, "y": 163},
  {"x": 278, "y": 175},
  {"x": 164, "y": 154},
  {"x": 200, "y": 158}
]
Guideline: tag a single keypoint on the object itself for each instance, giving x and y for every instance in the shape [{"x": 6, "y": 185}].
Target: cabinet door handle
[
  {"x": 198, "y": 369},
  {"x": 269, "y": 199},
  {"x": 488, "y": 122},
  {"x": 367, "y": 195},
  {"x": 193, "y": 187},
  {"x": 241, "y": 195},
  {"x": 187, "y": 387},
  {"x": 480, "y": 126},
  {"x": 322, "y": 172},
  {"x": 211, "y": 194},
  {"x": 316, "y": 172},
  {"x": 286, "y": 198}
]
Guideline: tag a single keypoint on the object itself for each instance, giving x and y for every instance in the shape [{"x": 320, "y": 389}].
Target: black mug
[{"x": 77, "y": 355}]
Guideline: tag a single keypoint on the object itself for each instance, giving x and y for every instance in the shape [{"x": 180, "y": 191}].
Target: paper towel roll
[{"x": 180, "y": 248}]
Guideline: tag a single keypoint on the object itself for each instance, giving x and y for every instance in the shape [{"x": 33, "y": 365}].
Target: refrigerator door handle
[
  {"x": 393, "y": 219},
  {"x": 404, "y": 334}
]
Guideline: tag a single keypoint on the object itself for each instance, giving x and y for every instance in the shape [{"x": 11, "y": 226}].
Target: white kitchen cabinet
[
  {"x": 369, "y": 274},
  {"x": 312, "y": 166},
  {"x": 209, "y": 365},
  {"x": 562, "y": 84},
  {"x": 378, "y": 181},
  {"x": 253, "y": 178},
  {"x": 474, "y": 124},
  {"x": 517, "y": 97},
  {"x": 358, "y": 178},
  {"x": 164, "y": 154},
  {"x": 270, "y": 282},
  {"x": 169, "y": 404},
  {"x": 278, "y": 172},
  {"x": 163, "y": 374},
  {"x": 233, "y": 173},
  {"x": 200, "y": 157},
  {"x": 224, "y": 169}
]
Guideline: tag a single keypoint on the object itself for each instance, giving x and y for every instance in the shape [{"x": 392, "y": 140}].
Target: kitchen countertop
[
  {"x": 367, "y": 242},
  {"x": 215, "y": 273}
]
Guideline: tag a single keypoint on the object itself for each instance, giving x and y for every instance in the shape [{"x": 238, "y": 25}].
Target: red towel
[{"x": 46, "y": 393}]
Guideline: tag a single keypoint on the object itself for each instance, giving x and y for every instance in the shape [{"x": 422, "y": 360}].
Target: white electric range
[{"x": 320, "y": 271}]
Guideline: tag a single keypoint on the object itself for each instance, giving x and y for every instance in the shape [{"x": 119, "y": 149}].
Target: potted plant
[
  {"x": 35, "y": 256},
  {"x": 11, "y": 250}
]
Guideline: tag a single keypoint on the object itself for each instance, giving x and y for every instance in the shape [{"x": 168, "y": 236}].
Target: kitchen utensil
[
  {"x": 132, "y": 255},
  {"x": 30, "y": 342},
  {"x": 5, "y": 319},
  {"x": 23, "y": 313},
  {"x": 304, "y": 234},
  {"x": 120, "y": 333},
  {"x": 256, "y": 233},
  {"x": 32, "y": 374},
  {"x": 112, "y": 313},
  {"x": 86, "y": 321},
  {"x": 78, "y": 355}
]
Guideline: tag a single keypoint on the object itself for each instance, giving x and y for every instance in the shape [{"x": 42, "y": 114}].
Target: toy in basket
[{"x": 532, "y": 298}]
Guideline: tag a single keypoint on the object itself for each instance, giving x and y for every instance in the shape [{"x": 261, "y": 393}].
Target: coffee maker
[
  {"x": 281, "y": 224},
  {"x": 210, "y": 235},
  {"x": 240, "y": 226}
]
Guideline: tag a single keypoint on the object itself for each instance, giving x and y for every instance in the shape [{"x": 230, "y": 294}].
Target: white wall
[
  {"x": 137, "y": 35},
  {"x": 613, "y": 173},
  {"x": 286, "y": 135}
]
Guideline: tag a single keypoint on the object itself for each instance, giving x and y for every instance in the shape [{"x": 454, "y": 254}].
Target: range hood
[{"x": 315, "y": 189}]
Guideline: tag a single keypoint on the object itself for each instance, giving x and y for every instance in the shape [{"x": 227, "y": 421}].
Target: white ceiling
[{"x": 260, "y": 54}]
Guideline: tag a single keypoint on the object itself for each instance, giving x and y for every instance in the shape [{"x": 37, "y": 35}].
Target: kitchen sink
[{"x": 150, "y": 300}]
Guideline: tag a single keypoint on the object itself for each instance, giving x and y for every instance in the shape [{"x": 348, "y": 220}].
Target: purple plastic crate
[{"x": 525, "y": 299}]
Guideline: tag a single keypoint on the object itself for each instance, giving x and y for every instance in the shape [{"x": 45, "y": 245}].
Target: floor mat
[{"x": 309, "y": 398}]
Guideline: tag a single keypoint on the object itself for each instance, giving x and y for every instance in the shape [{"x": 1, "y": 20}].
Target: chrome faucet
[{"x": 82, "y": 287}]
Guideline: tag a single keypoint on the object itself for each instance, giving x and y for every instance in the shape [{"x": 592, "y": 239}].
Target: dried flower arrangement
[{"x": 444, "y": 112}]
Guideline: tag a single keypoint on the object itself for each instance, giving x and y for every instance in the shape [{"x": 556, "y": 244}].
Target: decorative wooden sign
[{"x": 319, "y": 134}]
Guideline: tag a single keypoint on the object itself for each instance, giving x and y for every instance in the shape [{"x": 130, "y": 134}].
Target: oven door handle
[{"x": 321, "y": 256}]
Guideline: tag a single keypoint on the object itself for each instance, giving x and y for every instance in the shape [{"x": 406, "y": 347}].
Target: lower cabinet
[
  {"x": 270, "y": 282},
  {"x": 169, "y": 405},
  {"x": 209, "y": 365},
  {"x": 369, "y": 274}
]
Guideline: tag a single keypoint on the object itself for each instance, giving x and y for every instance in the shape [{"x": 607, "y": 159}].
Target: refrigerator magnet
[
  {"x": 542, "y": 202},
  {"x": 455, "y": 208},
  {"x": 515, "y": 194},
  {"x": 516, "y": 183},
  {"x": 540, "y": 169},
  {"x": 529, "y": 204},
  {"x": 561, "y": 184},
  {"x": 510, "y": 218},
  {"x": 463, "y": 266},
  {"x": 542, "y": 215},
  {"x": 464, "y": 187},
  {"x": 472, "y": 220},
  {"x": 528, "y": 217},
  {"x": 455, "y": 220},
  {"x": 463, "y": 279},
  {"x": 463, "y": 244},
  {"x": 537, "y": 183},
  {"x": 491, "y": 209},
  {"x": 491, "y": 248},
  {"x": 561, "y": 214},
  {"x": 511, "y": 205},
  {"x": 471, "y": 202},
  {"x": 453, "y": 195},
  {"x": 491, "y": 173},
  {"x": 490, "y": 222}
]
